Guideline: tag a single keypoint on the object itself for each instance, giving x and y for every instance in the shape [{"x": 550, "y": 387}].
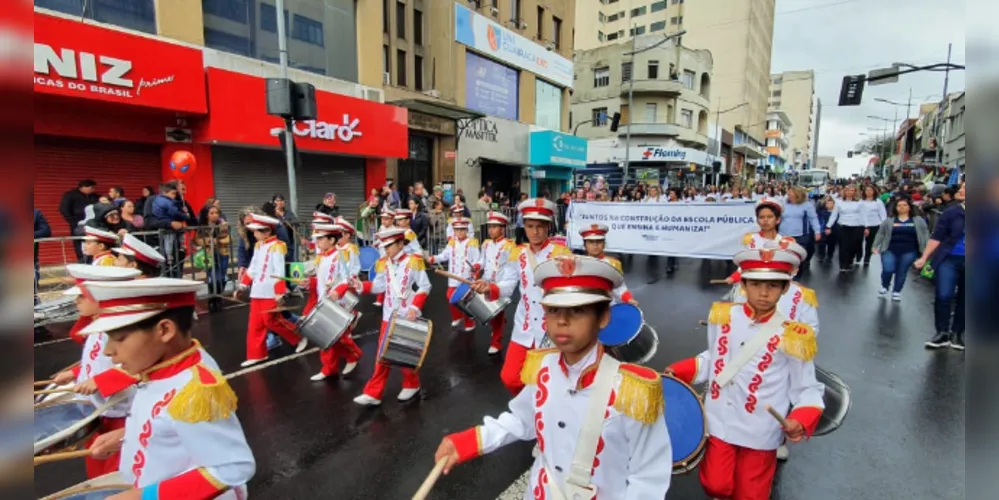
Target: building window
[
  {"x": 612, "y": 36},
  {"x": 400, "y": 67},
  {"x": 675, "y": 2},
  {"x": 515, "y": 14},
  {"x": 548, "y": 105},
  {"x": 687, "y": 118},
  {"x": 688, "y": 79},
  {"x": 268, "y": 18},
  {"x": 418, "y": 72},
  {"x": 385, "y": 16},
  {"x": 386, "y": 61},
  {"x": 657, "y": 26},
  {"x": 640, "y": 11},
  {"x": 418, "y": 27},
  {"x": 626, "y": 71},
  {"x": 600, "y": 36},
  {"x": 650, "y": 112},
  {"x": 601, "y": 17},
  {"x": 400, "y": 20},
  {"x": 557, "y": 34},
  {"x": 599, "y": 117},
  {"x": 540, "y": 23},
  {"x": 676, "y": 20},
  {"x": 612, "y": 18},
  {"x": 495, "y": 4},
  {"x": 233, "y": 10},
  {"x": 639, "y": 30},
  {"x": 653, "y": 70},
  {"x": 601, "y": 77},
  {"x": 657, "y": 6},
  {"x": 775, "y": 93},
  {"x": 307, "y": 30},
  {"x": 778, "y": 80},
  {"x": 224, "y": 41}
]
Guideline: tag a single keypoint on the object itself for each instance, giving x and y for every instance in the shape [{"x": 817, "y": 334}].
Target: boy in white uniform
[
  {"x": 599, "y": 424},
  {"x": 98, "y": 243},
  {"x": 462, "y": 256},
  {"x": 403, "y": 217},
  {"x": 182, "y": 439},
  {"x": 495, "y": 268},
  {"x": 594, "y": 242}
]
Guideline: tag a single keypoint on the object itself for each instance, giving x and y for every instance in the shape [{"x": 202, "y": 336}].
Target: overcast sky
[{"x": 840, "y": 37}]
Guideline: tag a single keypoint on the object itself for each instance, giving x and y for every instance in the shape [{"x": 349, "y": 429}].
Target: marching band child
[
  {"x": 768, "y": 213},
  {"x": 598, "y": 423},
  {"x": 756, "y": 359},
  {"x": 388, "y": 222},
  {"x": 462, "y": 257},
  {"x": 137, "y": 254},
  {"x": 98, "y": 243},
  {"x": 265, "y": 278},
  {"x": 495, "y": 268},
  {"x": 594, "y": 241},
  {"x": 96, "y": 376},
  {"x": 332, "y": 269},
  {"x": 182, "y": 439},
  {"x": 529, "y": 322},
  {"x": 398, "y": 274},
  {"x": 403, "y": 217},
  {"x": 457, "y": 212}
]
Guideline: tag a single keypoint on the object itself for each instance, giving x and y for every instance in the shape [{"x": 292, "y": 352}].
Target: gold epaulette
[
  {"x": 515, "y": 253},
  {"x": 450, "y": 242},
  {"x": 532, "y": 365},
  {"x": 410, "y": 235},
  {"x": 561, "y": 251},
  {"x": 747, "y": 239},
  {"x": 279, "y": 246},
  {"x": 380, "y": 265},
  {"x": 509, "y": 246},
  {"x": 721, "y": 313},
  {"x": 616, "y": 263},
  {"x": 256, "y": 245},
  {"x": 206, "y": 398},
  {"x": 354, "y": 249},
  {"x": 319, "y": 258},
  {"x": 416, "y": 263},
  {"x": 473, "y": 243},
  {"x": 799, "y": 340},
  {"x": 808, "y": 295},
  {"x": 640, "y": 395}
]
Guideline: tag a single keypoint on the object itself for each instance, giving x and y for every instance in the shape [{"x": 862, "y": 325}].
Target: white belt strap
[
  {"x": 578, "y": 480},
  {"x": 749, "y": 349}
]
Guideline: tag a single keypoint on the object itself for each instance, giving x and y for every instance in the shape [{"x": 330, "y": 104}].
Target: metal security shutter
[
  {"x": 60, "y": 163},
  {"x": 251, "y": 177}
]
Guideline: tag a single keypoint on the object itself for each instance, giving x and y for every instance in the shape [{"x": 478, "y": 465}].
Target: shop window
[
  {"x": 233, "y": 10},
  {"x": 268, "y": 18},
  {"x": 307, "y": 30},
  {"x": 139, "y": 15}
]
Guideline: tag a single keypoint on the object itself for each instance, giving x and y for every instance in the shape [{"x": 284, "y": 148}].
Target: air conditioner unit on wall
[{"x": 387, "y": 78}]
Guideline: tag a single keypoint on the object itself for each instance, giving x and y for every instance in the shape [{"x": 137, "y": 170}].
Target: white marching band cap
[
  {"x": 387, "y": 236},
  {"x": 538, "y": 209},
  {"x": 596, "y": 232},
  {"x": 459, "y": 223},
  {"x": 325, "y": 229},
  {"x": 457, "y": 208},
  {"x": 125, "y": 303},
  {"x": 139, "y": 249},
  {"x": 573, "y": 281},
  {"x": 321, "y": 217},
  {"x": 494, "y": 217},
  {"x": 345, "y": 225},
  {"x": 768, "y": 263},
  {"x": 258, "y": 221},
  {"x": 87, "y": 272},
  {"x": 387, "y": 213},
  {"x": 403, "y": 213},
  {"x": 788, "y": 243},
  {"x": 773, "y": 203},
  {"x": 95, "y": 234}
]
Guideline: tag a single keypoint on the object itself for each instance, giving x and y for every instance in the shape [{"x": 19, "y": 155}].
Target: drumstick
[
  {"x": 44, "y": 382},
  {"x": 428, "y": 483},
  {"x": 289, "y": 280},
  {"x": 55, "y": 391},
  {"x": 58, "y": 457},
  {"x": 719, "y": 282},
  {"x": 280, "y": 309},
  {"x": 230, "y": 299},
  {"x": 775, "y": 414},
  {"x": 453, "y": 276}
]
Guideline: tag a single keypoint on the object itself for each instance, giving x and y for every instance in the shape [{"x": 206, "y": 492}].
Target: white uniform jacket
[
  {"x": 103, "y": 259},
  {"x": 110, "y": 379},
  {"x": 412, "y": 243},
  {"x": 381, "y": 251},
  {"x": 267, "y": 261},
  {"x": 497, "y": 268},
  {"x": 449, "y": 231},
  {"x": 397, "y": 279},
  {"x": 529, "y": 322},
  {"x": 798, "y": 304},
  {"x": 633, "y": 453},
  {"x": 781, "y": 375},
  {"x": 182, "y": 437},
  {"x": 462, "y": 257},
  {"x": 621, "y": 293}
]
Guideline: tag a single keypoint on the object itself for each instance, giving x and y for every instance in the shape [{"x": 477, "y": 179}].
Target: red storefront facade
[{"x": 110, "y": 106}]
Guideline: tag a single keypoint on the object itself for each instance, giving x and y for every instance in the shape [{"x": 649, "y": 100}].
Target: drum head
[
  {"x": 625, "y": 322},
  {"x": 684, "y": 420},
  {"x": 97, "y": 493},
  {"x": 51, "y": 420},
  {"x": 368, "y": 257},
  {"x": 459, "y": 293}
]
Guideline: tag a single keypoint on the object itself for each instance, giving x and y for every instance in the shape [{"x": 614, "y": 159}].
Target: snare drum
[
  {"x": 406, "y": 342},
  {"x": 837, "y": 401},
  {"x": 326, "y": 323},
  {"x": 98, "y": 488},
  {"x": 686, "y": 423},
  {"x": 349, "y": 301},
  {"x": 627, "y": 337},
  {"x": 368, "y": 257},
  {"x": 64, "y": 425},
  {"x": 475, "y": 305}
]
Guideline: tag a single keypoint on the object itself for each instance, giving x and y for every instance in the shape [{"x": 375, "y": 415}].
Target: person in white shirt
[
  {"x": 874, "y": 213},
  {"x": 755, "y": 359},
  {"x": 654, "y": 195},
  {"x": 852, "y": 224},
  {"x": 599, "y": 424}
]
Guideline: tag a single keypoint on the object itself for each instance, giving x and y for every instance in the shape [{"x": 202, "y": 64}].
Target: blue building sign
[{"x": 556, "y": 149}]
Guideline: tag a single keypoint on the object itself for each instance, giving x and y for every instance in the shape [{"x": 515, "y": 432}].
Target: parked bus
[{"x": 814, "y": 180}]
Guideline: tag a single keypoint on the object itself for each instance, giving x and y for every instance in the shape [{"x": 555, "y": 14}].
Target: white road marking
[
  {"x": 265, "y": 364},
  {"x": 517, "y": 488}
]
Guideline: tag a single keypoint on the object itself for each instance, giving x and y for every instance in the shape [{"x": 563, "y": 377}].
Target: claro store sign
[{"x": 80, "y": 60}]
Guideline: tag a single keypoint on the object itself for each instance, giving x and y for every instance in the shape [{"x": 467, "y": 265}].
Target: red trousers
[
  {"x": 100, "y": 466},
  {"x": 456, "y": 313},
  {"x": 512, "y": 365},
  {"x": 261, "y": 322},
  {"x": 497, "y": 324},
  {"x": 376, "y": 385},
  {"x": 733, "y": 472},
  {"x": 344, "y": 348}
]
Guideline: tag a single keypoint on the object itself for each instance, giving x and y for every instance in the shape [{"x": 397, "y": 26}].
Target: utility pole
[
  {"x": 289, "y": 133},
  {"x": 943, "y": 103}
]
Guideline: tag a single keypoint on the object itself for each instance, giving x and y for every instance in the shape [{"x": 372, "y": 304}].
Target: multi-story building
[
  {"x": 738, "y": 33},
  {"x": 778, "y": 141},
  {"x": 668, "y": 111},
  {"x": 793, "y": 92},
  {"x": 953, "y": 132},
  {"x": 827, "y": 163}
]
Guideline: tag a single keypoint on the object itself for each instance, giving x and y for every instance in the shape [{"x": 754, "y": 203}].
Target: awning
[
  {"x": 482, "y": 159},
  {"x": 438, "y": 109}
]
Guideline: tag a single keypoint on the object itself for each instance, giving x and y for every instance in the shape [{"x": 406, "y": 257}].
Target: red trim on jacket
[
  {"x": 76, "y": 370},
  {"x": 808, "y": 416},
  {"x": 191, "y": 485},
  {"x": 418, "y": 301},
  {"x": 494, "y": 292},
  {"x": 81, "y": 323},
  {"x": 627, "y": 297},
  {"x": 685, "y": 370},
  {"x": 467, "y": 444},
  {"x": 113, "y": 381}
]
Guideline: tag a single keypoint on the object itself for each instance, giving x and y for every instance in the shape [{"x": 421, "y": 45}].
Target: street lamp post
[
  {"x": 884, "y": 165},
  {"x": 718, "y": 113}
]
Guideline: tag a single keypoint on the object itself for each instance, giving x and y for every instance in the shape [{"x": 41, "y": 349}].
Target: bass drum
[{"x": 837, "y": 401}]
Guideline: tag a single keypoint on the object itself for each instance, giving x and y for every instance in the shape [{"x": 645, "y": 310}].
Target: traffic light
[
  {"x": 615, "y": 122},
  {"x": 849, "y": 154},
  {"x": 852, "y": 91}
]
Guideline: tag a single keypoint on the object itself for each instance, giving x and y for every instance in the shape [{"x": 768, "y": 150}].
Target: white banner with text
[{"x": 697, "y": 230}]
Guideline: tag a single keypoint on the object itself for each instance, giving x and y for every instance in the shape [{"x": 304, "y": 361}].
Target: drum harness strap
[
  {"x": 578, "y": 481},
  {"x": 750, "y": 348}
]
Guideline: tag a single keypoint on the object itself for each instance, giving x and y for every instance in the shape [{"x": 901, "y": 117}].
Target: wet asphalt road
[{"x": 903, "y": 439}]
